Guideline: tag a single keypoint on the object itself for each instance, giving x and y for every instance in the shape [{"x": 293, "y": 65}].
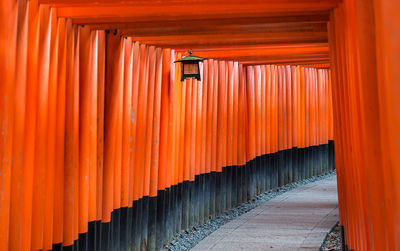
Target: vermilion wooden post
[
  {"x": 199, "y": 132},
  {"x": 268, "y": 112},
  {"x": 126, "y": 177},
  {"x": 93, "y": 179},
  {"x": 70, "y": 117},
  {"x": 330, "y": 107},
  {"x": 251, "y": 150},
  {"x": 148, "y": 142},
  {"x": 51, "y": 131},
  {"x": 387, "y": 34},
  {"x": 236, "y": 135},
  {"x": 154, "y": 165},
  {"x": 279, "y": 108},
  {"x": 313, "y": 134},
  {"x": 193, "y": 130},
  {"x": 182, "y": 115},
  {"x": 214, "y": 162},
  {"x": 60, "y": 135},
  {"x": 320, "y": 90},
  {"x": 229, "y": 142},
  {"x": 17, "y": 172},
  {"x": 199, "y": 128},
  {"x": 222, "y": 116},
  {"x": 242, "y": 150},
  {"x": 307, "y": 123},
  {"x": 118, "y": 93},
  {"x": 289, "y": 112},
  {"x": 166, "y": 146},
  {"x": 296, "y": 121},
  {"x": 274, "y": 110},
  {"x": 85, "y": 91},
  {"x": 274, "y": 123},
  {"x": 204, "y": 166},
  {"x": 149, "y": 119},
  {"x": 236, "y": 121},
  {"x": 75, "y": 134},
  {"x": 113, "y": 130},
  {"x": 251, "y": 131},
  {"x": 263, "y": 110},
  {"x": 188, "y": 130},
  {"x": 280, "y": 127},
  {"x": 134, "y": 121},
  {"x": 126, "y": 124},
  {"x": 387, "y": 42},
  {"x": 302, "y": 108},
  {"x": 172, "y": 175},
  {"x": 257, "y": 135},
  {"x": 41, "y": 134},
  {"x": 202, "y": 124},
  {"x": 339, "y": 97},
  {"x": 112, "y": 83},
  {"x": 285, "y": 110},
  {"x": 295, "y": 100},
  {"x": 187, "y": 137},
  {"x": 289, "y": 104},
  {"x": 257, "y": 102},
  {"x": 140, "y": 140},
  {"x": 242, "y": 133},
  {"x": 209, "y": 73},
  {"x": 166, "y": 118},
  {"x": 180, "y": 132},
  {"x": 8, "y": 52},
  {"x": 100, "y": 124},
  {"x": 214, "y": 132},
  {"x": 193, "y": 208}
]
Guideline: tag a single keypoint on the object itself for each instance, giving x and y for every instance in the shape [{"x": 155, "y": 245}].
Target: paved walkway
[{"x": 296, "y": 220}]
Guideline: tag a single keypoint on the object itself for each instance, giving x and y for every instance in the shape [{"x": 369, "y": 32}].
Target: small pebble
[{"x": 333, "y": 241}]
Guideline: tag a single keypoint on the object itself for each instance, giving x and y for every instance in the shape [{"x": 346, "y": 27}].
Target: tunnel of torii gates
[{"x": 104, "y": 148}]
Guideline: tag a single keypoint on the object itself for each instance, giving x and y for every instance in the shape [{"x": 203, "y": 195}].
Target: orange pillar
[
  {"x": 41, "y": 133},
  {"x": 51, "y": 132},
  {"x": 60, "y": 135},
  {"x": 85, "y": 124},
  {"x": 71, "y": 115},
  {"x": 17, "y": 173},
  {"x": 100, "y": 125},
  {"x": 126, "y": 125},
  {"x": 8, "y": 50}
]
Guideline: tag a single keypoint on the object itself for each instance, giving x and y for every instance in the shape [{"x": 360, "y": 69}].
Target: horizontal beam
[
  {"x": 287, "y": 4},
  {"x": 255, "y": 47},
  {"x": 159, "y": 12},
  {"x": 190, "y": 41},
  {"x": 311, "y": 18},
  {"x": 319, "y": 66},
  {"x": 187, "y": 30},
  {"x": 288, "y": 62},
  {"x": 250, "y": 46},
  {"x": 267, "y": 52}
]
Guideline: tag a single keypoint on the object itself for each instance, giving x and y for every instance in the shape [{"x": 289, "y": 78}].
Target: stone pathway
[{"x": 296, "y": 220}]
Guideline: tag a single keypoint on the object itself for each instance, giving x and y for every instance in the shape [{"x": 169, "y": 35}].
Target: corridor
[{"x": 296, "y": 220}]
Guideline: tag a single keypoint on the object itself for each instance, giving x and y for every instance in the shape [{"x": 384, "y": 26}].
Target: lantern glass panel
[{"x": 191, "y": 68}]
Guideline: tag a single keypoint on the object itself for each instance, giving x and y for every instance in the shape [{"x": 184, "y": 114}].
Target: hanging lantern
[{"x": 190, "y": 66}]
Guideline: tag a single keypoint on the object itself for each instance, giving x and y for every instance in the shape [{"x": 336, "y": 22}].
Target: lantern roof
[{"x": 190, "y": 58}]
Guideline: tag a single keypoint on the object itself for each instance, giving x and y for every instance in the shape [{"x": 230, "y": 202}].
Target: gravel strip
[
  {"x": 187, "y": 239},
  {"x": 333, "y": 240}
]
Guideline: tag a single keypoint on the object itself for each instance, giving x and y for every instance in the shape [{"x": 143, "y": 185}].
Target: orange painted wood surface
[{"x": 94, "y": 116}]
